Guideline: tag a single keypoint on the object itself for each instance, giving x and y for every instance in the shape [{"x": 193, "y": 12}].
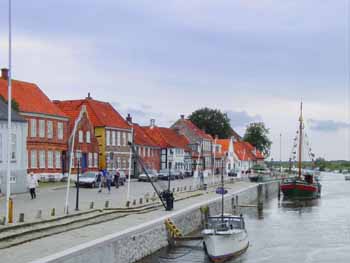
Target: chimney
[
  {"x": 5, "y": 73},
  {"x": 153, "y": 123},
  {"x": 129, "y": 118},
  {"x": 88, "y": 96},
  {"x": 182, "y": 117},
  {"x": 216, "y": 137}
]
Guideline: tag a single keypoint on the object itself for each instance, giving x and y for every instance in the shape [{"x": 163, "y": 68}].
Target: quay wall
[{"x": 140, "y": 241}]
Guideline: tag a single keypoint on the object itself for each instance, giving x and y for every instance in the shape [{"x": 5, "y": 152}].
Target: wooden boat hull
[{"x": 300, "y": 190}]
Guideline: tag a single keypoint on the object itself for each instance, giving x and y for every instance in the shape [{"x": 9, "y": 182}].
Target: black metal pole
[
  {"x": 169, "y": 177},
  {"x": 77, "y": 198}
]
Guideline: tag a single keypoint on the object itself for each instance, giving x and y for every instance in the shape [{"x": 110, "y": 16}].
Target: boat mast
[{"x": 300, "y": 138}]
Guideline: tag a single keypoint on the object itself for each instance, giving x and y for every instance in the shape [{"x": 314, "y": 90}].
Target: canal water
[{"x": 317, "y": 231}]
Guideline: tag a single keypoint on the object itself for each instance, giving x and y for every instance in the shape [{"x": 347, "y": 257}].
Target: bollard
[
  {"x": 134, "y": 202},
  {"x": 173, "y": 190},
  {"x": 140, "y": 201},
  {"x": 92, "y": 205},
  {"x": 279, "y": 191},
  {"x": 190, "y": 188},
  {"x": 53, "y": 212},
  {"x": 147, "y": 199},
  {"x": 2, "y": 220},
  {"x": 127, "y": 204},
  {"x": 39, "y": 214},
  {"x": 21, "y": 217},
  {"x": 107, "y": 204},
  {"x": 184, "y": 188},
  {"x": 10, "y": 215}
]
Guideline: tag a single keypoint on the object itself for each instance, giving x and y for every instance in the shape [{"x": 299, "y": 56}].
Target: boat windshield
[{"x": 225, "y": 223}]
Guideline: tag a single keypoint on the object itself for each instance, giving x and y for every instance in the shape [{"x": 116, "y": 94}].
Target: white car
[{"x": 152, "y": 174}]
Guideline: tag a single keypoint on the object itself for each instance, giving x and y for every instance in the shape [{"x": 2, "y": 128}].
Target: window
[
  {"x": 113, "y": 138},
  {"x": 58, "y": 159},
  {"x": 13, "y": 147},
  {"x": 118, "y": 162},
  {"x": 32, "y": 127},
  {"x": 118, "y": 138},
  {"x": 88, "y": 137},
  {"x": 81, "y": 139},
  {"x": 33, "y": 159},
  {"x": 41, "y": 128},
  {"x": 49, "y": 129},
  {"x": 95, "y": 160},
  {"x": 90, "y": 160},
  {"x": 41, "y": 159},
  {"x": 130, "y": 137},
  {"x": 108, "y": 137},
  {"x": 60, "y": 130},
  {"x": 50, "y": 159},
  {"x": 124, "y": 138}
]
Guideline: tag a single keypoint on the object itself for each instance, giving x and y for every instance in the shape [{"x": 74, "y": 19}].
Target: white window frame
[
  {"x": 113, "y": 138},
  {"x": 50, "y": 159},
  {"x": 124, "y": 139},
  {"x": 60, "y": 130},
  {"x": 57, "y": 159},
  {"x": 96, "y": 160},
  {"x": 33, "y": 159},
  {"x": 108, "y": 137},
  {"x": 81, "y": 136},
  {"x": 88, "y": 137},
  {"x": 42, "y": 128},
  {"x": 90, "y": 160},
  {"x": 118, "y": 138},
  {"x": 13, "y": 147},
  {"x": 42, "y": 157},
  {"x": 33, "y": 128},
  {"x": 130, "y": 137},
  {"x": 49, "y": 129}
]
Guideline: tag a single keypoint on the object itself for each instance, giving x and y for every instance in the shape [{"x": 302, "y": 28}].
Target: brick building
[
  {"x": 174, "y": 148},
  {"x": 200, "y": 142},
  {"x": 111, "y": 130},
  {"x": 47, "y": 128},
  {"x": 146, "y": 147},
  {"x": 85, "y": 143}
]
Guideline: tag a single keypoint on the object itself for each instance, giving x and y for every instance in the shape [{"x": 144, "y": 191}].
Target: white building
[{"x": 18, "y": 148}]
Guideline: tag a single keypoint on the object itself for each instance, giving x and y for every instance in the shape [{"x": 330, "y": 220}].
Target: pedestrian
[
  {"x": 99, "y": 181},
  {"x": 32, "y": 184},
  {"x": 116, "y": 179},
  {"x": 109, "y": 181}
]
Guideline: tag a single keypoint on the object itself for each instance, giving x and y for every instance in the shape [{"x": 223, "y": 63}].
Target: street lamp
[
  {"x": 170, "y": 161},
  {"x": 77, "y": 186}
]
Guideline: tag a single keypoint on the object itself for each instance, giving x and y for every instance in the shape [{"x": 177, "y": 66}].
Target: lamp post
[
  {"x": 170, "y": 160},
  {"x": 77, "y": 185}
]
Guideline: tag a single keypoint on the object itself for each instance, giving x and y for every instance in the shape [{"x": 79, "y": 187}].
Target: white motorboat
[
  {"x": 225, "y": 237},
  {"x": 347, "y": 177}
]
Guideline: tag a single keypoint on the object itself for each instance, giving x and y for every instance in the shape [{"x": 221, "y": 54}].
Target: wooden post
[
  {"x": 92, "y": 205},
  {"x": 53, "y": 212}
]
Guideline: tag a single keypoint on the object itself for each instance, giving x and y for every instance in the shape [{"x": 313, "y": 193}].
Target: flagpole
[{"x": 9, "y": 100}]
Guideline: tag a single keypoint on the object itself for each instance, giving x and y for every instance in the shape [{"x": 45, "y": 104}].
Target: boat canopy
[{"x": 226, "y": 222}]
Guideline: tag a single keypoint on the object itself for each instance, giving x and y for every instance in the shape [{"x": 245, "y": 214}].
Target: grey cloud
[
  {"x": 327, "y": 125},
  {"x": 241, "y": 118}
]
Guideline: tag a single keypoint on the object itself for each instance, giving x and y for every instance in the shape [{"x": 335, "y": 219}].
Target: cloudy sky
[{"x": 254, "y": 59}]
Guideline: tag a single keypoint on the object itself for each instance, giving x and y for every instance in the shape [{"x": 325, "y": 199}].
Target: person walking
[
  {"x": 116, "y": 179},
  {"x": 32, "y": 185},
  {"x": 109, "y": 181},
  {"x": 99, "y": 181}
]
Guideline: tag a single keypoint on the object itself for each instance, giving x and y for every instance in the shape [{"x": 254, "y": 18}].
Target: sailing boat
[
  {"x": 225, "y": 235},
  {"x": 304, "y": 186}
]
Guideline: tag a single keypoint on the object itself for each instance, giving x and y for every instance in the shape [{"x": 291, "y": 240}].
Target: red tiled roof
[
  {"x": 166, "y": 137},
  {"x": 225, "y": 144},
  {"x": 196, "y": 130},
  {"x": 142, "y": 138},
  {"x": 256, "y": 153},
  {"x": 30, "y": 98},
  {"x": 101, "y": 114},
  {"x": 243, "y": 151}
]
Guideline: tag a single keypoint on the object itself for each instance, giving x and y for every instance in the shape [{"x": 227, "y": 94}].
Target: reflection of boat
[
  {"x": 224, "y": 236},
  {"x": 303, "y": 186}
]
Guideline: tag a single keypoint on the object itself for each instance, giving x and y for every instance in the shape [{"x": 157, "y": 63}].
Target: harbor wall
[{"x": 143, "y": 240}]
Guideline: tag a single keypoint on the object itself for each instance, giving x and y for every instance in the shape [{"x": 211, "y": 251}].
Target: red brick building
[
  {"x": 85, "y": 143},
  {"x": 147, "y": 149},
  {"x": 47, "y": 128}
]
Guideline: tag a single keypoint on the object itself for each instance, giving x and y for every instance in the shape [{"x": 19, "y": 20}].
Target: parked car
[
  {"x": 164, "y": 175},
  {"x": 232, "y": 173},
  {"x": 178, "y": 174},
  {"x": 152, "y": 174},
  {"x": 122, "y": 178},
  {"x": 88, "y": 179}
]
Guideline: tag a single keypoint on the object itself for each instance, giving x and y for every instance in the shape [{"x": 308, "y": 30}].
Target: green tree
[
  {"x": 14, "y": 103},
  {"x": 213, "y": 121},
  {"x": 321, "y": 163},
  {"x": 257, "y": 135}
]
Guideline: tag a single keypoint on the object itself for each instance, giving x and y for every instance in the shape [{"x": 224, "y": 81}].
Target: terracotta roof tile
[
  {"x": 245, "y": 151},
  {"x": 142, "y": 138},
  {"x": 196, "y": 130},
  {"x": 30, "y": 98},
  {"x": 101, "y": 114},
  {"x": 225, "y": 144},
  {"x": 167, "y": 138}
]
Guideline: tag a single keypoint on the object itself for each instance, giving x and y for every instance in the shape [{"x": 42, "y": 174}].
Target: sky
[{"x": 253, "y": 59}]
